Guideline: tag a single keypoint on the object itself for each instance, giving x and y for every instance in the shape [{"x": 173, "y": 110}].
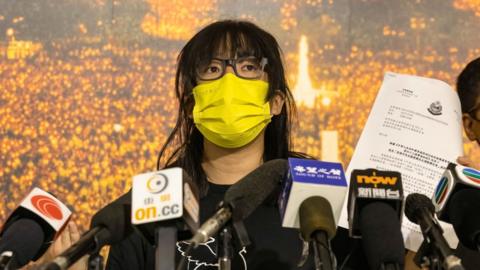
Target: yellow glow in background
[{"x": 86, "y": 87}]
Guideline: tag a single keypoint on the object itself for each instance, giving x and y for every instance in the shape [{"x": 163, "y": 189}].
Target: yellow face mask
[{"x": 231, "y": 111}]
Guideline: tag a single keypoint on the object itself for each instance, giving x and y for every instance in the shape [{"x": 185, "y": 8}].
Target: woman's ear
[
  {"x": 468, "y": 123},
  {"x": 276, "y": 102}
]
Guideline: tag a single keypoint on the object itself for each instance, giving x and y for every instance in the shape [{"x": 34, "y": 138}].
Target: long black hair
[
  {"x": 468, "y": 85},
  {"x": 231, "y": 38}
]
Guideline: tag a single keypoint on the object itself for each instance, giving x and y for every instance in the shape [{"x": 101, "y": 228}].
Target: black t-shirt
[{"x": 272, "y": 247}]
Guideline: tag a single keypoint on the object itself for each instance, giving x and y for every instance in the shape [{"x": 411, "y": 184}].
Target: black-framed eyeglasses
[{"x": 249, "y": 67}]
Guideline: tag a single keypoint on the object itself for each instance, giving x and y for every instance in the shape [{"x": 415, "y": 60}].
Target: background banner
[{"x": 86, "y": 86}]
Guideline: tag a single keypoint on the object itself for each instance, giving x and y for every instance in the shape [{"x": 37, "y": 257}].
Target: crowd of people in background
[{"x": 81, "y": 121}]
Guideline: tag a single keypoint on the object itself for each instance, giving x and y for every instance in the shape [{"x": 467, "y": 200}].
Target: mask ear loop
[{"x": 263, "y": 63}]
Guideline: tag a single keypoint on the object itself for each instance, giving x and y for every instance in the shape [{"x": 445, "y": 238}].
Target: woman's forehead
[
  {"x": 232, "y": 54},
  {"x": 231, "y": 46}
]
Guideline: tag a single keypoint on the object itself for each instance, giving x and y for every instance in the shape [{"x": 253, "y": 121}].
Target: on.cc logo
[{"x": 157, "y": 183}]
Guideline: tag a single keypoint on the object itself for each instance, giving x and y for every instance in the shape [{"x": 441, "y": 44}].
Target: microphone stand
[
  {"x": 165, "y": 239},
  {"x": 427, "y": 256},
  {"x": 8, "y": 261},
  {"x": 390, "y": 266},
  {"x": 322, "y": 251},
  {"x": 225, "y": 249},
  {"x": 88, "y": 243},
  {"x": 95, "y": 262},
  {"x": 435, "y": 249}
]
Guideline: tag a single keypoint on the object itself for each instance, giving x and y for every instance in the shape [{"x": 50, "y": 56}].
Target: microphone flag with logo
[
  {"x": 41, "y": 210},
  {"x": 109, "y": 226},
  {"x": 307, "y": 178},
  {"x": 372, "y": 185},
  {"x": 457, "y": 199},
  {"x": 165, "y": 209},
  {"x": 312, "y": 199},
  {"x": 455, "y": 178},
  {"x": 113, "y": 223},
  {"x": 165, "y": 195}
]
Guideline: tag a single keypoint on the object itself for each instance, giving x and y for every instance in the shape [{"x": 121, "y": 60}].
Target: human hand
[
  {"x": 68, "y": 237},
  {"x": 466, "y": 161},
  {"x": 409, "y": 262}
]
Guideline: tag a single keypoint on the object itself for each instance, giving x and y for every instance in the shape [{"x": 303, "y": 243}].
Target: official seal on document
[{"x": 435, "y": 108}]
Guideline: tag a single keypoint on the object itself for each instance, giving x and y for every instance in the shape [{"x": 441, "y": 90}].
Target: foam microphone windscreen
[
  {"x": 463, "y": 210},
  {"x": 316, "y": 215},
  {"x": 247, "y": 194},
  {"x": 382, "y": 238},
  {"x": 115, "y": 217},
  {"x": 414, "y": 203},
  {"x": 24, "y": 238}
]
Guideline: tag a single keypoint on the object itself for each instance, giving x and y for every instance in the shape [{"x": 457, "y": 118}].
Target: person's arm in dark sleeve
[
  {"x": 117, "y": 259},
  {"x": 114, "y": 259},
  {"x": 131, "y": 253}
]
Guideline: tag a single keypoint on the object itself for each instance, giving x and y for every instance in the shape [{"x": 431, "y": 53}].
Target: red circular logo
[{"x": 47, "y": 206}]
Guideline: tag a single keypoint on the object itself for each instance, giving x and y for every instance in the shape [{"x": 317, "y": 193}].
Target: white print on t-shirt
[
  {"x": 241, "y": 253},
  {"x": 201, "y": 264}
]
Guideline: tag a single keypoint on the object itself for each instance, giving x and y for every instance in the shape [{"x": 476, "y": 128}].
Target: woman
[{"x": 234, "y": 114}]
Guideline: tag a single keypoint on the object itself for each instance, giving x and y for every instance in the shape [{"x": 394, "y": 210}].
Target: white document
[{"x": 414, "y": 128}]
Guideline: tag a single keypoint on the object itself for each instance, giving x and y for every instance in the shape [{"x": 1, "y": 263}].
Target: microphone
[
  {"x": 463, "y": 213},
  {"x": 316, "y": 215},
  {"x": 20, "y": 242},
  {"x": 165, "y": 198},
  {"x": 311, "y": 200},
  {"x": 420, "y": 210},
  {"x": 317, "y": 225},
  {"x": 370, "y": 185},
  {"x": 242, "y": 198},
  {"x": 165, "y": 207},
  {"x": 375, "y": 202},
  {"x": 113, "y": 223},
  {"x": 109, "y": 226},
  {"x": 459, "y": 179},
  {"x": 307, "y": 178},
  {"x": 382, "y": 239},
  {"x": 31, "y": 228}
]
